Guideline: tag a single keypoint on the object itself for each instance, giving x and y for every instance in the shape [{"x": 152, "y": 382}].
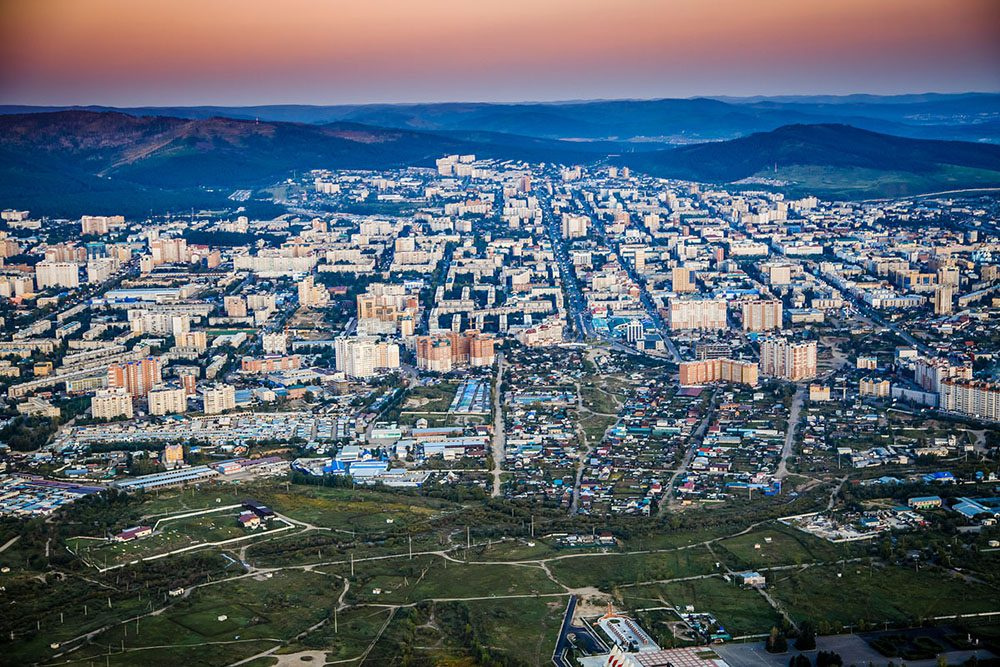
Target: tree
[
  {"x": 807, "y": 637},
  {"x": 776, "y": 642},
  {"x": 799, "y": 661},
  {"x": 829, "y": 659}
]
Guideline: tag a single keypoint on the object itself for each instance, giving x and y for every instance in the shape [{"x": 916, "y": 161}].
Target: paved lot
[{"x": 852, "y": 648}]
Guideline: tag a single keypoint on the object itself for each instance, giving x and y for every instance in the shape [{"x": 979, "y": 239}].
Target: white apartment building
[
  {"x": 57, "y": 274},
  {"x": 219, "y": 398},
  {"x": 111, "y": 403},
  {"x": 359, "y": 357},
  {"x": 167, "y": 401},
  {"x": 697, "y": 314},
  {"x": 784, "y": 359}
]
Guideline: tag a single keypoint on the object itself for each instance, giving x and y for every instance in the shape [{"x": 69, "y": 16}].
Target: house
[
  {"x": 749, "y": 578},
  {"x": 248, "y": 520},
  {"x": 135, "y": 533},
  {"x": 924, "y": 502},
  {"x": 260, "y": 510}
]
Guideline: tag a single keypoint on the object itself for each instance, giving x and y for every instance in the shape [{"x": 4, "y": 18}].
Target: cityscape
[{"x": 657, "y": 381}]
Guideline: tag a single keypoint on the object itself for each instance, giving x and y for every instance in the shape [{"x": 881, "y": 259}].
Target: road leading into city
[{"x": 499, "y": 436}]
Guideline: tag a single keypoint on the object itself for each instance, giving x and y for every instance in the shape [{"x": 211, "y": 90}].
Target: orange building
[
  {"x": 136, "y": 377},
  {"x": 270, "y": 364},
  {"x": 441, "y": 353},
  {"x": 718, "y": 370}
]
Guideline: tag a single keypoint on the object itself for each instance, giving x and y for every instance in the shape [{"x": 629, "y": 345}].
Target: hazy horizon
[{"x": 227, "y": 53}]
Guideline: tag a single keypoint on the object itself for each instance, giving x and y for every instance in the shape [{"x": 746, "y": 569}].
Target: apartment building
[
  {"x": 762, "y": 315},
  {"x": 693, "y": 373},
  {"x": 441, "y": 353},
  {"x": 697, "y": 314},
  {"x": 167, "y": 401},
  {"x": 785, "y": 359},
  {"x": 270, "y": 364},
  {"x": 111, "y": 403},
  {"x": 974, "y": 398},
  {"x": 136, "y": 377},
  {"x": 360, "y": 357},
  {"x": 57, "y": 274},
  {"x": 931, "y": 373},
  {"x": 218, "y": 398}
]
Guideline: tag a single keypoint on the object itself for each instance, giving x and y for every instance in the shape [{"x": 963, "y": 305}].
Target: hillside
[
  {"x": 968, "y": 117},
  {"x": 831, "y": 159},
  {"x": 66, "y": 161}
]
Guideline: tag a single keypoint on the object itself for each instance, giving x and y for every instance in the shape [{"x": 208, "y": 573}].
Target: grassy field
[
  {"x": 250, "y": 609},
  {"x": 740, "y": 611},
  {"x": 357, "y": 510},
  {"x": 881, "y": 594},
  {"x": 778, "y": 546},
  {"x": 171, "y": 534},
  {"x": 607, "y": 571},
  {"x": 433, "y": 577}
]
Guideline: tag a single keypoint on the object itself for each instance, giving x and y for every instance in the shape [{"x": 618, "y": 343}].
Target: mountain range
[
  {"x": 968, "y": 117},
  {"x": 75, "y": 161}
]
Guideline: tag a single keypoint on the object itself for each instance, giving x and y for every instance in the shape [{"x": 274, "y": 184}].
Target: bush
[{"x": 807, "y": 637}]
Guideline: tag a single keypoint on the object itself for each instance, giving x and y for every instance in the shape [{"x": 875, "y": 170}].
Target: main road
[{"x": 499, "y": 436}]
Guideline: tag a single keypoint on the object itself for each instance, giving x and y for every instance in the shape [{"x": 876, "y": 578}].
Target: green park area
[{"x": 342, "y": 581}]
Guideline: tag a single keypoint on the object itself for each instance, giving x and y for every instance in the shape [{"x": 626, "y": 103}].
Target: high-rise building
[
  {"x": 975, "y": 398},
  {"x": 312, "y": 295},
  {"x": 188, "y": 377},
  {"x": 57, "y": 274},
  {"x": 574, "y": 226},
  {"x": 443, "y": 352},
  {"x": 693, "y": 373},
  {"x": 275, "y": 343},
  {"x": 930, "y": 373},
  {"x": 785, "y": 359},
  {"x": 136, "y": 377},
  {"x": 944, "y": 300},
  {"x": 111, "y": 403},
  {"x": 697, "y": 314},
  {"x": 360, "y": 357},
  {"x": 167, "y": 401},
  {"x": 236, "y": 306},
  {"x": 100, "y": 225},
  {"x": 169, "y": 251},
  {"x": 680, "y": 280},
  {"x": 219, "y": 398},
  {"x": 873, "y": 387},
  {"x": 762, "y": 315}
]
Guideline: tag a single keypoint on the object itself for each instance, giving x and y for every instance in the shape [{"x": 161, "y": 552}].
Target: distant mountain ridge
[
  {"x": 844, "y": 156},
  {"x": 69, "y": 162},
  {"x": 88, "y": 158},
  {"x": 967, "y": 116}
]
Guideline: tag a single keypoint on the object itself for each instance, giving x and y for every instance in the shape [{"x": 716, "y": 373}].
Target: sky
[{"x": 243, "y": 52}]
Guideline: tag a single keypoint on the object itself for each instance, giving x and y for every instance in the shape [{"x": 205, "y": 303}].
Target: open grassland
[
  {"x": 740, "y": 611},
  {"x": 847, "y": 594}
]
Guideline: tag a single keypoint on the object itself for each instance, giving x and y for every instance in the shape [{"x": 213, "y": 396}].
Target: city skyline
[{"x": 126, "y": 54}]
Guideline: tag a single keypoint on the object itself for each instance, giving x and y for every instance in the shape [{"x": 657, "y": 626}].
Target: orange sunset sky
[{"x": 136, "y": 52}]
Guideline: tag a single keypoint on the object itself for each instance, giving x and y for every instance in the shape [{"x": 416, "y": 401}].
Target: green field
[
  {"x": 879, "y": 594},
  {"x": 608, "y": 571},
  {"x": 740, "y": 611},
  {"x": 171, "y": 534},
  {"x": 786, "y": 547}
]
